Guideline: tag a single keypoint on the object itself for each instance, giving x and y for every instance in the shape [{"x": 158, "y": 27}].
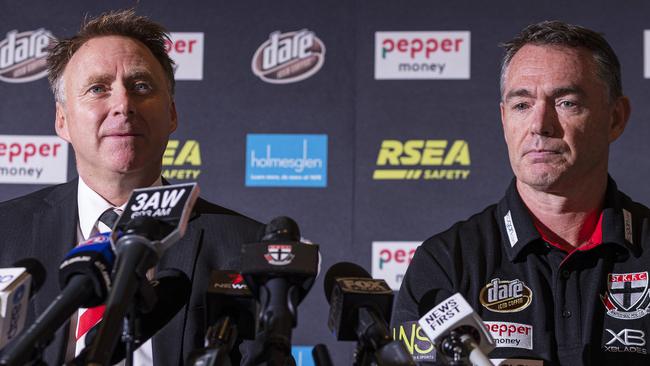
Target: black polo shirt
[{"x": 539, "y": 302}]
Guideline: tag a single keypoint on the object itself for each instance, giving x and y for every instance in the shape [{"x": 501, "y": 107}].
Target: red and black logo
[{"x": 627, "y": 295}]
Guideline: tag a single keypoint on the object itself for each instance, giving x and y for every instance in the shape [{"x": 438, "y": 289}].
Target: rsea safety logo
[
  {"x": 182, "y": 160},
  {"x": 22, "y": 55},
  {"x": 275, "y": 160},
  {"x": 423, "y": 159},
  {"x": 26, "y": 159},
  {"x": 288, "y": 57},
  {"x": 390, "y": 259},
  {"x": 422, "y": 55},
  {"x": 302, "y": 355},
  {"x": 186, "y": 49}
]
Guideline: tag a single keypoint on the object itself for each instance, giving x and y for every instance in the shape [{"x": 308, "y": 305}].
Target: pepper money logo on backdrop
[
  {"x": 22, "y": 55},
  {"x": 422, "y": 55},
  {"x": 289, "y": 160},
  {"x": 27, "y": 159},
  {"x": 422, "y": 159},
  {"x": 186, "y": 49}
]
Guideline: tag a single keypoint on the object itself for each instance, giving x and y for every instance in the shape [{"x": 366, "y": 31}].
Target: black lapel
[
  {"x": 55, "y": 233},
  {"x": 167, "y": 347}
]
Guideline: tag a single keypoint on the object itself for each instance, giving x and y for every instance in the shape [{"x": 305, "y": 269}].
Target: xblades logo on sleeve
[
  {"x": 627, "y": 295},
  {"x": 504, "y": 296}
]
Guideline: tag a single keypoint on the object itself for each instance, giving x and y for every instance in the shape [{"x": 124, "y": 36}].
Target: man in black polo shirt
[{"x": 558, "y": 269}]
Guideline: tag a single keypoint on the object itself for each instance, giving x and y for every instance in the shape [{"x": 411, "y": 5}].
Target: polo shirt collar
[{"x": 518, "y": 230}]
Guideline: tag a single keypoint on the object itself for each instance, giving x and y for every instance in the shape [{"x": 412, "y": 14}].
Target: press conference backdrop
[{"x": 374, "y": 123}]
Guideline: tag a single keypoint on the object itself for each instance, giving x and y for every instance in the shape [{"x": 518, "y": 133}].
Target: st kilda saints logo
[
  {"x": 627, "y": 295},
  {"x": 504, "y": 296},
  {"x": 279, "y": 254}
]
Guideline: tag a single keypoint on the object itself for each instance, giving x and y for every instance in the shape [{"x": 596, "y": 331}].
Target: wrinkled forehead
[
  {"x": 555, "y": 66},
  {"x": 107, "y": 57}
]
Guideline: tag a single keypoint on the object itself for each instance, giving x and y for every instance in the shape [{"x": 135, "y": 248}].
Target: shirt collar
[
  {"x": 518, "y": 230},
  {"x": 91, "y": 205}
]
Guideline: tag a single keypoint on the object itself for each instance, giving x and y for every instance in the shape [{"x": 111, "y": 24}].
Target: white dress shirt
[{"x": 91, "y": 205}]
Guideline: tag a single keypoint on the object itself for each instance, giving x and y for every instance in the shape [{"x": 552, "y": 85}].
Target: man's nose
[
  {"x": 123, "y": 103},
  {"x": 544, "y": 119}
]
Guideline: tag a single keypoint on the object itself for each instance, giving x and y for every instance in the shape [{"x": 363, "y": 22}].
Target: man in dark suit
[{"x": 113, "y": 84}]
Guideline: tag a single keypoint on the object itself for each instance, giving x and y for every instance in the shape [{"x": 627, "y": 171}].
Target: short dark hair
[
  {"x": 115, "y": 23},
  {"x": 557, "y": 33}
]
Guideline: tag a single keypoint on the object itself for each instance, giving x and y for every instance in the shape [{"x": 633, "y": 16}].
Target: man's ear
[
  {"x": 620, "y": 114},
  {"x": 60, "y": 123}
]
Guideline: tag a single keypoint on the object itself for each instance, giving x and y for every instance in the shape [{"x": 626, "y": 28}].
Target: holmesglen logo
[
  {"x": 275, "y": 160},
  {"x": 289, "y": 57},
  {"x": 22, "y": 55}
]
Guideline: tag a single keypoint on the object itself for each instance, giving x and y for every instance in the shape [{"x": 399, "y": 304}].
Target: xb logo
[{"x": 627, "y": 337}]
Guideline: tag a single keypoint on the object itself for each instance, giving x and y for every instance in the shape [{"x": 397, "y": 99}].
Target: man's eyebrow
[
  {"x": 100, "y": 78},
  {"x": 567, "y": 90},
  {"x": 558, "y": 92},
  {"x": 525, "y": 93},
  {"x": 139, "y": 74}
]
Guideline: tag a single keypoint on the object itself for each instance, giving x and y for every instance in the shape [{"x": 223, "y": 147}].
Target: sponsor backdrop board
[{"x": 390, "y": 110}]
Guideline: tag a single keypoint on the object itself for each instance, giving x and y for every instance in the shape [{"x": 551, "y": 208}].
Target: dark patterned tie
[{"x": 109, "y": 217}]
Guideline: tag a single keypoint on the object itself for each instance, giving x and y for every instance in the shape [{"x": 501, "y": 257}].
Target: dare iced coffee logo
[
  {"x": 288, "y": 57},
  {"x": 22, "y": 55}
]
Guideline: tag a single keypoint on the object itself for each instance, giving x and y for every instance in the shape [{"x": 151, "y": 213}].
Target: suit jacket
[{"x": 43, "y": 225}]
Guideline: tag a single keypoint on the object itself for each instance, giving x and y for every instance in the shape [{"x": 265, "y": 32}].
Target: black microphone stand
[
  {"x": 279, "y": 300},
  {"x": 375, "y": 345}
]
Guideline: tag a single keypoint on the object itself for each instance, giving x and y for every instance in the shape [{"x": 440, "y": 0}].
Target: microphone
[
  {"x": 17, "y": 286},
  {"x": 172, "y": 290},
  {"x": 153, "y": 219},
  {"x": 231, "y": 312},
  {"x": 84, "y": 276},
  {"x": 455, "y": 329},
  {"x": 280, "y": 272},
  {"x": 360, "y": 309}
]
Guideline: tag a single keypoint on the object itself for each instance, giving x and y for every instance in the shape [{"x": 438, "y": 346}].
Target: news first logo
[
  {"x": 423, "y": 160},
  {"x": 182, "y": 160},
  {"x": 390, "y": 259},
  {"x": 22, "y": 55},
  {"x": 422, "y": 55},
  {"x": 27, "y": 159},
  {"x": 288, "y": 57},
  {"x": 186, "y": 49},
  {"x": 276, "y": 160},
  {"x": 416, "y": 341}
]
